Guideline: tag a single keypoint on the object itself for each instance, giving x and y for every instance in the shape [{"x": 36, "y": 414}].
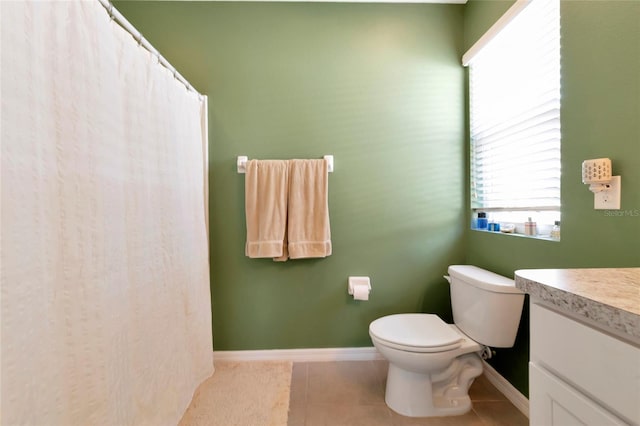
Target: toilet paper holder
[{"x": 357, "y": 282}]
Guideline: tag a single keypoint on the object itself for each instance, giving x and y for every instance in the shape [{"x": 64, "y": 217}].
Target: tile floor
[{"x": 352, "y": 393}]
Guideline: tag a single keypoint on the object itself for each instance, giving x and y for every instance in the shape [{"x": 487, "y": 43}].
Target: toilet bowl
[{"x": 432, "y": 364}]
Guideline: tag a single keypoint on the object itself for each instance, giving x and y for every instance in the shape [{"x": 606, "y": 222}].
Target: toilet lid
[{"x": 415, "y": 330}]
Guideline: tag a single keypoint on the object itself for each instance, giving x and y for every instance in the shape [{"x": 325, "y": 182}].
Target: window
[{"x": 514, "y": 87}]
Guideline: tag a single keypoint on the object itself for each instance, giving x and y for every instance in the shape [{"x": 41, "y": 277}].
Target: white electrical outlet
[{"x": 609, "y": 199}]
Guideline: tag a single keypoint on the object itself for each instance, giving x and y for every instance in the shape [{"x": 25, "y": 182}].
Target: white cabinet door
[
  {"x": 553, "y": 402},
  {"x": 604, "y": 367}
]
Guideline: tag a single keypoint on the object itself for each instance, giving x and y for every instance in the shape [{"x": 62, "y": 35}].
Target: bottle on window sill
[
  {"x": 482, "y": 222},
  {"x": 555, "y": 231},
  {"x": 530, "y": 227}
]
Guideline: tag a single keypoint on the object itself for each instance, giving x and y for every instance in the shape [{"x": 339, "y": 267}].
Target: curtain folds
[{"x": 106, "y": 314}]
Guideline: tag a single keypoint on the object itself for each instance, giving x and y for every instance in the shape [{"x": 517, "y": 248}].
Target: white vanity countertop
[{"x": 609, "y": 297}]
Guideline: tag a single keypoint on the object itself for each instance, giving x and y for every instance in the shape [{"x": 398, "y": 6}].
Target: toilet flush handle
[{"x": 448, "y": 278}]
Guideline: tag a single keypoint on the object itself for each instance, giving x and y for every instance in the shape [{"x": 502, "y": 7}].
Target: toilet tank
[{"x": 486, "y": 306}]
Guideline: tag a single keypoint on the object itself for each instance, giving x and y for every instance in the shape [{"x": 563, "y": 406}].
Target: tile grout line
[
  {"x": 306, "y": 391},
  {"x": 479, "y": 416}
]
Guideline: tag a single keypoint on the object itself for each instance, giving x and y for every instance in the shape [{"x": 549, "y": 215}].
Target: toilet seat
[{"x": 415, "y": 333}]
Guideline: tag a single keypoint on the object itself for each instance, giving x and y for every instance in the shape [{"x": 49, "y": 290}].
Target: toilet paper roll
[{"x": 361, "y": 292}]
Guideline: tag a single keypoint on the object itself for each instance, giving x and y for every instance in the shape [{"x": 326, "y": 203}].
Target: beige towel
[
  {"x": 308, "y": 230},
  {"x": 266, "y": 188}
]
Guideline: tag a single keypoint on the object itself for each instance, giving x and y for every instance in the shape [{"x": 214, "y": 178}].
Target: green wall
[
  {"x": 600, "y": 117},
  {"x": 380, "y": 87}
]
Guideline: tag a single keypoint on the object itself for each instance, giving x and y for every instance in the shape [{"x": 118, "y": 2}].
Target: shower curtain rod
[{"x": 124, "y": 23}]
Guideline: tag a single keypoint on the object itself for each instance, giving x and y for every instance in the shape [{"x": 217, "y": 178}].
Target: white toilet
[{"x": 431, "y": 363}]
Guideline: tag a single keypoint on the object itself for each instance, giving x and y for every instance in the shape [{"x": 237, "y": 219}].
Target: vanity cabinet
[{"x": 579, "y": 374}]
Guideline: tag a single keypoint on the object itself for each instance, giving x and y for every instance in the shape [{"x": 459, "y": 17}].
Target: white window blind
[{"x": 514, "y": 85}]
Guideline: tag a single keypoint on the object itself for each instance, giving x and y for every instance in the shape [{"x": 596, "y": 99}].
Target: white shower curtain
[{"x": 106, "y": 315}]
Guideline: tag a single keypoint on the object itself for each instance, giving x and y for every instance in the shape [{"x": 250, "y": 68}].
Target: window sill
[{"x": 514, "y": 234}]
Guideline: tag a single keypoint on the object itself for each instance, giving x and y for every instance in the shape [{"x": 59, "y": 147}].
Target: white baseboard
[
  {"x": 301, "y": 355},
  {"x": 361, "y": 354},
  {"x": 507, "y": 389}
]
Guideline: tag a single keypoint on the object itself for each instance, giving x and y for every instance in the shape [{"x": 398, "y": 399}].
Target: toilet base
[{"x": 443, "y": 393}]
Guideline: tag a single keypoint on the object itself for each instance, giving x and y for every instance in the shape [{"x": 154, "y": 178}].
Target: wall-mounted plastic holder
[{"x": 359, "y": 287}]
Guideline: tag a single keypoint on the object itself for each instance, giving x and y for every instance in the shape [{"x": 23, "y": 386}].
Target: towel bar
[{"x": 242, "y": 163}]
